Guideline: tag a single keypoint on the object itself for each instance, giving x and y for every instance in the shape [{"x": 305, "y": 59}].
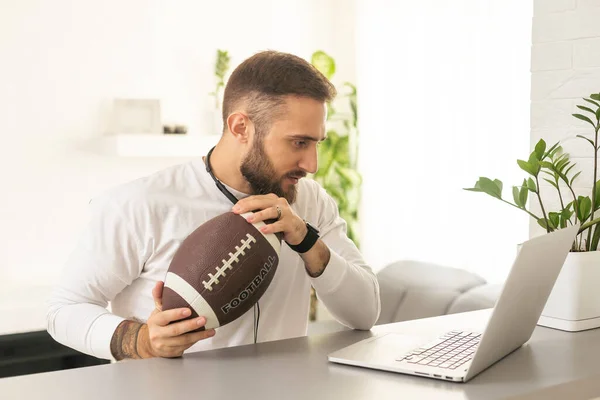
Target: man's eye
[{"x": 300, "y": 143}]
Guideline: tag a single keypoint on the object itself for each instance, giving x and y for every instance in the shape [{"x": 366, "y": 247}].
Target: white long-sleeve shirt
[{"x": 136, "y": 228}]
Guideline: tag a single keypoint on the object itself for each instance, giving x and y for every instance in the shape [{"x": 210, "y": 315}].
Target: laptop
[{"x": 459, "y": 355}]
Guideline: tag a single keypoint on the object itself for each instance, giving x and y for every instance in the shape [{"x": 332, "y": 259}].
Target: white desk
[{"x": 298, "y": 369}]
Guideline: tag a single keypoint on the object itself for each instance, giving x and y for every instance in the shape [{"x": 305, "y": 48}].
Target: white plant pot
[{"x": 574, "y": 303}]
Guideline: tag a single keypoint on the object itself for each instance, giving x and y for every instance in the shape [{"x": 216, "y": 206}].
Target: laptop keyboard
[{"x": 449, "y": 351}]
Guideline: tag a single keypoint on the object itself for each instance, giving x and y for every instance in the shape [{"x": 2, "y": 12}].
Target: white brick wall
[{"x": 565, "y": 66}]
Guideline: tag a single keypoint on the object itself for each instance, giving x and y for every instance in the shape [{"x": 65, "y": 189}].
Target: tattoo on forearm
[{"x": 124, "y": 341}]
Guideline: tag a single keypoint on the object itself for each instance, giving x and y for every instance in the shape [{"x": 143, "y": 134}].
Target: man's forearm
[
  {"x": 316, "y": 259},
  {"x": 125, "y": 342}
]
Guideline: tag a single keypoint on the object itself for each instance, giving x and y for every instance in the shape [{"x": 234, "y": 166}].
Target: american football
[{"x": 222, "y": 269}]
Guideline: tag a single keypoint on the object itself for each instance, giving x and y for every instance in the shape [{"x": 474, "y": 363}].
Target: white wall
[
  {"x": 565, "y": 60},
  {"x": 444, "y": 99},
  {"x": 63, "y": 61}
]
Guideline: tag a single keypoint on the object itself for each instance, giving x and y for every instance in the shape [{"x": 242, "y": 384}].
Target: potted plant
[
  {"x": 221, "y": 68},
  {"x": 574, "y": 303},
  {"x": 338, "y": 172}
]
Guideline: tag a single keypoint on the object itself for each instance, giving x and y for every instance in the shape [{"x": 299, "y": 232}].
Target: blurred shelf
[{"x": 159, "y": 145}]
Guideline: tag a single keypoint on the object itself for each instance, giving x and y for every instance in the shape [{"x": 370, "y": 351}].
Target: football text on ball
[{"x": 244, "y": 294}]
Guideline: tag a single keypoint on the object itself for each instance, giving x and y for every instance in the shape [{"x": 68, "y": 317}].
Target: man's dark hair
[{"x": 262, "y": 81}]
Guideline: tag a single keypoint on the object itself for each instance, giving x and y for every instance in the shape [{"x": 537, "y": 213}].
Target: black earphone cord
[{"x": 234, "y": 200}]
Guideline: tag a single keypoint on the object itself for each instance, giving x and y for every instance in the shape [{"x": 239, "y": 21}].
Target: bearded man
[{"x": 274, "y": 113}]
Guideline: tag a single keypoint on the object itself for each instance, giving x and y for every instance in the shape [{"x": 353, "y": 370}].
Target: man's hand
[
  {"x": 159, "y": 337},
  {"x": 291, "y": 225}
]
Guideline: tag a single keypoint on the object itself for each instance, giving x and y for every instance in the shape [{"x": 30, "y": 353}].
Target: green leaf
[
  {"x": 588, "y": 139},
  {"x": 584, "y": 208},
  {"x": 595, "y": 96},
  {"x": 534, "y": 163},
  {"x": 589, "y": 224},
  {"x": 531, "y": 185},
  {"x": 352, "y": 88},
  {"x": 569, "y": 170},
  {"x": 573, "y": 178},
  {"x": 567, "y": 213},
  {"x": 353, "y": 107},
  {"x": 342, "y": 151},
  {"x": 595, "y": 238},
  {"x": 584, "y": 118},
  {"x": 559, "y": 167},
  {"x": 498, "y": 185},
  {"x": 562, "y": 162},
  {"x": 554, "y": 219},
  {"x": 222, "y": 63},
  {"x": 551, "y": 182},
  {"x": 561, "y": 157},
  {"x": 333, "y": 136},
  {"x": 525, "y": 166},
  {"x": 557, "y": 152},
  {"x": 592, "y": 102},
  {"x": 517, "y": 197},
  {"x": 349, "y": 176},
  {"x": 324, "y": 63},
  {"x": 552, "y": 150},
  {"x": 542, "y": 223},
  {"x": 597, "y": 114},
  {"x": 587, "y": 109},
  {"x": 540, "y": 148},
  {"x": 487, "y": 186},
  {"x": 546, "y": 164},
  {"x": 549, "y": 173},
  {"x": 565, "y": 216},
  {"x": 524, "y": 193}
]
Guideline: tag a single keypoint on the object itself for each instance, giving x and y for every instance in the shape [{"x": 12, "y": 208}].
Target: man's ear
[{"x": 239, "y": 126}]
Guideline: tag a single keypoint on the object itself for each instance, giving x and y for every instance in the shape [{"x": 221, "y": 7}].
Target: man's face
[{"x": 281, "y": 157}]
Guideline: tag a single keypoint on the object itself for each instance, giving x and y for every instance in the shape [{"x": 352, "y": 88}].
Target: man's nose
[{"x": 309, "y": 161}]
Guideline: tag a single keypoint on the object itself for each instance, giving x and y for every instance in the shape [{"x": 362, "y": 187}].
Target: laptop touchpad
[{"x": 385, "y": 348}]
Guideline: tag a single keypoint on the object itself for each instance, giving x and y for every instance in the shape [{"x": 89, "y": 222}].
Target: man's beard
[{"x": 258, "y": 170}]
